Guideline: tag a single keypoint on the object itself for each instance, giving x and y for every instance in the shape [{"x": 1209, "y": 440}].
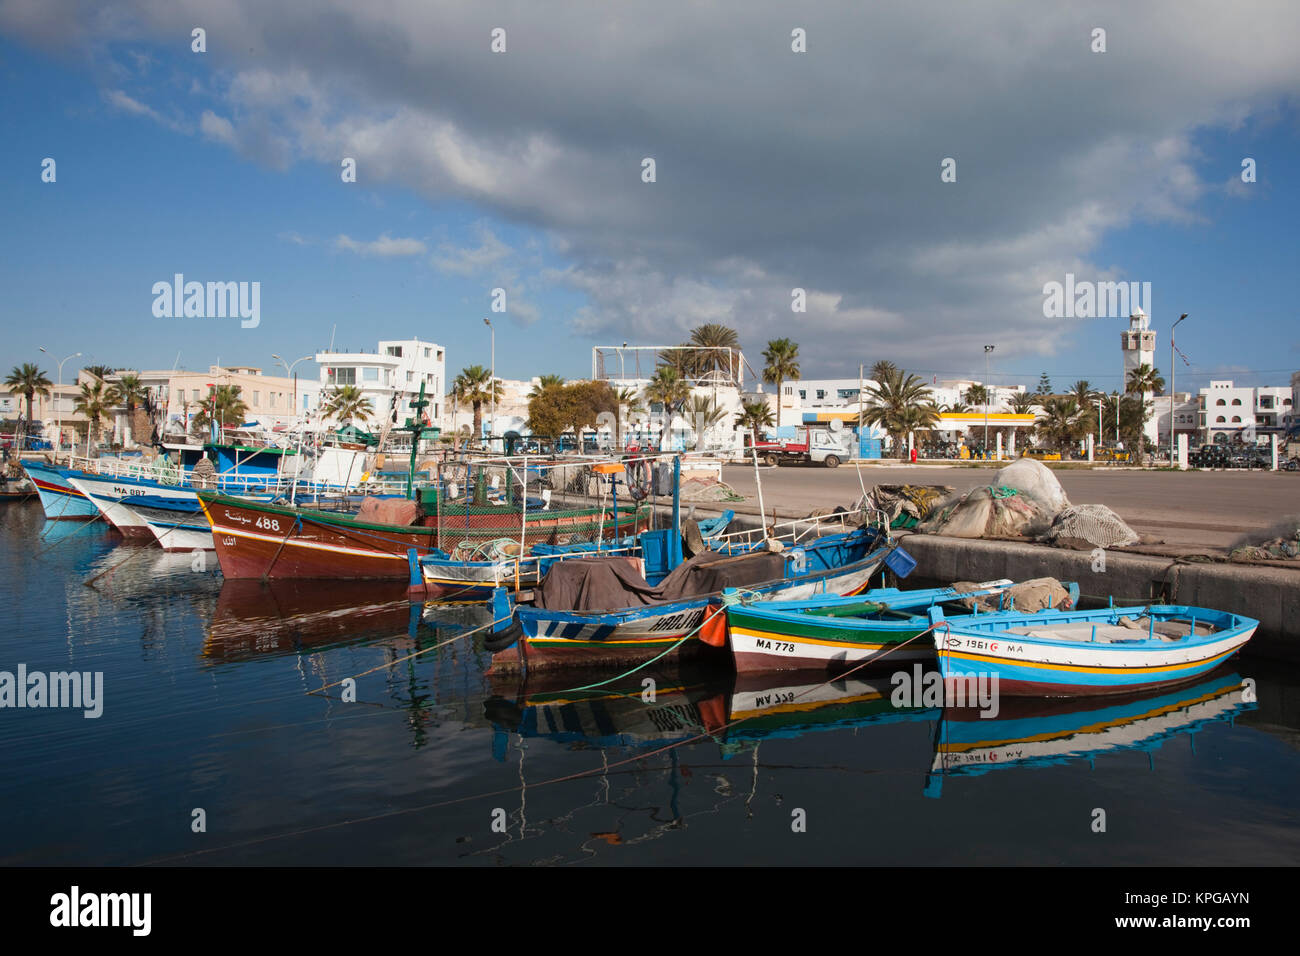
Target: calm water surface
[{"x": 208, "y": 705}]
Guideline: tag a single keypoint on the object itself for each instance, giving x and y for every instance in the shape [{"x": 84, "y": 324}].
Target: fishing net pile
[
  {"x": 1026, "y": 501},
  {"x": 905, "y": 506},
  {"x": 1084, "y": 527},
  {"x": 708, "y": 489},
  {"x": 1281, "y": 542},
  {"x": 1036, "y": 594}
]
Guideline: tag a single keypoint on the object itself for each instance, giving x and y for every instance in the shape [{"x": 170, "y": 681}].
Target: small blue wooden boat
[
  {"x": 1072, "y": 653},
  {"x": 59, "y": 498}
]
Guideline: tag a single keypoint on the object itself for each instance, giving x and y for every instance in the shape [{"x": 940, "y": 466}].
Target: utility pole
[
  {"x": 1172, "y": 429},
  {"x": 492, "y": 385}
]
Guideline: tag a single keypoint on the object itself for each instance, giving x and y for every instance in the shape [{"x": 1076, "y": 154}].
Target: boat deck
[{"x": 1119, "y": 633}]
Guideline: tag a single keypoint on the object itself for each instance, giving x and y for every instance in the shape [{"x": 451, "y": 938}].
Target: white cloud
[{"x": 385, "y": 246}]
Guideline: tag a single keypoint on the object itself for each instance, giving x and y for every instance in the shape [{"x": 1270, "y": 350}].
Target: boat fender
[{"x": 498, "y": 642}]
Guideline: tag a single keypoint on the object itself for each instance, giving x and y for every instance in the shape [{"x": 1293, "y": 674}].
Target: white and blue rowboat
[
  {"x": 835, "y": 633},
  {"x": 839, "y": 564},
  {"x": 1074, "y": 653},
  {"x": 59, "y": 498},
  {"x": 110, "y": 494}
]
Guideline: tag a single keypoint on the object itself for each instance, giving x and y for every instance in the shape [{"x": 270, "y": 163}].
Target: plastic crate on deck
[{"x": 900, "y": 562}]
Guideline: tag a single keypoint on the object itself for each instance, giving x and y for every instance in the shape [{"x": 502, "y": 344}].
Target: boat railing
[
  {"x": 274, "y": 484},
  {"x": 799, "y": 529}
]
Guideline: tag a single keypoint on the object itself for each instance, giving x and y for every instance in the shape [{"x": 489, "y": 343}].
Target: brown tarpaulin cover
[
  {"x": 610, "y": 584},
  {"x": 396, "y": 511}
]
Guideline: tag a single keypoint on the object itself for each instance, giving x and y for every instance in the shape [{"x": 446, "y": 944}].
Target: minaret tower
[{"x": 1138, "y": 344}]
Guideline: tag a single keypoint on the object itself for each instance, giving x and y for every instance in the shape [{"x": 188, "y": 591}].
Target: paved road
[{"x": 1205, "y": 510}]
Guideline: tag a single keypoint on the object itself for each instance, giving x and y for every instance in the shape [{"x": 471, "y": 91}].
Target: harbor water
[{"x": 228, "y": 732}]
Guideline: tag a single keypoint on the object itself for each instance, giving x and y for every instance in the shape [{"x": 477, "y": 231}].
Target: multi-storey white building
[
  {"x": 1241, "y": 411},
  {"x": 391, "y": 373}
]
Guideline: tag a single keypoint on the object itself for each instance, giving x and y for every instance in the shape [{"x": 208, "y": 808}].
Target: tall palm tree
[
  {"x": 669, "y": 389},
  {"x": 28, "y": 381},
  {"x": 899, "y": 403},
  {"x": 130, "y": 391},
  {"x": 346, "y": 403},
  {"x": 882, "y": 369},
  {"x": 1144, "y": 378},
  {"x": 977, "y": 395},
  {"x": 629, "y": 404},
  {"x": 96, "y": 402},
  {"x": 230, "y": 408},
  {"x": 753, "y": 416},
  {"x": 1062, "y": 420},
  {"x": 782, "y": 358},
  {"x": 477, "y": 388},
  {"x": 704, "y": 413},
  {"x": 710, "y": 342},
  {"x": 99, "y": 371},
  {"x": 956, "y": 408}
]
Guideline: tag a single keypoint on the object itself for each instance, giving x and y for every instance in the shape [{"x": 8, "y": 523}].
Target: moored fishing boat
[
  {"x": 60, "y": 500},
  {"x": 261, "y": 539},
  {"x": 882, "y": 624},
  {"x": 1073, "y": 653},
  {"x": 600, "y": 611},
  {"x": 16, "y": 489}
]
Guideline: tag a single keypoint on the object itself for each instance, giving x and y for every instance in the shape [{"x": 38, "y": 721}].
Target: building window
[
  {"x": 821, "y": 393},
  {"x": 342, "y": 376},
  {"x": 803, "y": 393},
  {"x": 257, "y": 399},
  {"x": 272, "y": 398},
  {"x": 1236, "y": 419},
  {"x": 1236, "y": 401},
  {"x": 369, "y": 374},
  {"x": 1219, "y": 421},
  {"x": 428, "y": 352},
  {"x": 195, "y": 395},
  {"x": 394, "y": 350},
  {"x": 1220, "y": 402},
  {"x": 1266, "y": 401}
]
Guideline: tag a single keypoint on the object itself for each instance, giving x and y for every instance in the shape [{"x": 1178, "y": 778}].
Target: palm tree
[
  {"x": 709, "y": 341},
  {"x": 629, "y": 404},
  {"x": 130, "y": 392},
  {"x": 28, "y": 380},
  {"x": 669, "y": 389},
  {"x": 1144, "y": 378},
  {"x": 543, "y": 383},
  {"x": 346, "y": 402},
  {"x": 477, "y": 388},
  {"x": 977, "y": 395},
  {"x": 230, "y": 408},
  {"x": 1061, "y": 421},
  {"x": 753, "y": 416},
  {"x": 899, "y": 403},
  {"x": 1022, "y": 403},
  {"x": 96, "y": 402},
  {"x": 882, "y": 370},
  {"x": 99, "y": 371},
  {"x": 705, "y": 413},
  {"x": 782, "y": 358},
  {"x": 956, "y": 408}
]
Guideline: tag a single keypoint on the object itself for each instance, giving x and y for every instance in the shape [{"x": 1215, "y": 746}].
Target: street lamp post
[
  {"x": 288, "y": 371},
  {"x": 57, "y": 413},
  {"x": 988, "y": 350},
  {"x": 1101, "y": 437},
  {"x": 492, "y": 383},
  {"x": 1172, "y": 372}
]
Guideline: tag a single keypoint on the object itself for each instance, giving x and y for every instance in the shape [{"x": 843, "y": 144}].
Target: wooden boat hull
[
  {"x": 60, "y": 500},
  {"x": 1013, "y": 649},
  {"x": 256, "y": 540},
  {"x": 110, "y": 495},
  {"x": 637, "y": 634},
  {"x": 765, "y": 642}
]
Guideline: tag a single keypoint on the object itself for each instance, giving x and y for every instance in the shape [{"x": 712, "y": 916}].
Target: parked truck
[{"x": 826, "y": 444}]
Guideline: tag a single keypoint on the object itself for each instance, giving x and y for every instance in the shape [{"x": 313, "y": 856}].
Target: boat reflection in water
[
  {"x": 255, "y": 619},
  {"x": 1032, "y": 732}
]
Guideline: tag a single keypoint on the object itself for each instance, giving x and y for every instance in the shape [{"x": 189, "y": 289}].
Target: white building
[
  {"x": 1241, "y": 411},
  {"x": 391, "y": 374}
]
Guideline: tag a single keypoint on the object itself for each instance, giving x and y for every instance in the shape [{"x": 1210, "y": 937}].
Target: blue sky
[{"x": 224, "y": 166}]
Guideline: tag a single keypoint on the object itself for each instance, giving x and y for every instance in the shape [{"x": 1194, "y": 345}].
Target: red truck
[{"x": 826, "y": 444}]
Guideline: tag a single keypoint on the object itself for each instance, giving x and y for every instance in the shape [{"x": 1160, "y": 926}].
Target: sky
[{"x": 774, "y": 170}]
